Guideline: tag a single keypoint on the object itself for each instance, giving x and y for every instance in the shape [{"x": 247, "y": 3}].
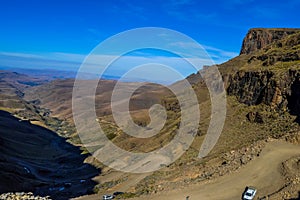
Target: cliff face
[
  {"x": 280, "y": 93},
  {"x": 259, "y": 38},
  {"x": 270, "y": 76}
]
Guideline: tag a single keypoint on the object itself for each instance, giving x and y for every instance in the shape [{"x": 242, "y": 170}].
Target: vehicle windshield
[{"x": 248, "y": 194}]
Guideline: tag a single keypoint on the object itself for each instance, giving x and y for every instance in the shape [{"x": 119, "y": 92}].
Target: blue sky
[{"x": 59, "y": 34}]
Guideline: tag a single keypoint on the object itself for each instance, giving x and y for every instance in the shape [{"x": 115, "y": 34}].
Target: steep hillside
[
  {"x": 263, "y": 102},
  {"x": 268, "y": 76},
  {"x": 37, "y": 160}
]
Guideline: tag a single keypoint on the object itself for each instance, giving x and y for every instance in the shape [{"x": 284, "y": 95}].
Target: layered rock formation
[
  {"x": 253, "y": 88},
  {"x": 258, "y": 38},
  {"x": 271, "y": 70}
]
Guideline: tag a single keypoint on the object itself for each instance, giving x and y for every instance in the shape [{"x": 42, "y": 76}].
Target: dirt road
[
  {"x": 131, "y": 181},
  {"x": 263, "y": 173}
]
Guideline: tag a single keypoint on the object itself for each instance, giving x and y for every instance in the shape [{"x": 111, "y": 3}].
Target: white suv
[
  {"x": 249, "y": 193},
  {"x": 107, "y": 197}
]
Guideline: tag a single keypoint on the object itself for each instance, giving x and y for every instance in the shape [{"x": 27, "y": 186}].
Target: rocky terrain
[
  {"x": 258, "y": 38},
  {"x": 265, "y": 80},
  {"x": 22, "y": 196}
]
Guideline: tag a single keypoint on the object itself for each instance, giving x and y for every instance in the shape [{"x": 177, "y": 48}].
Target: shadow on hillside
[
  {"x": 294, "y": 100},
  {"x": 35, "y": 159}
]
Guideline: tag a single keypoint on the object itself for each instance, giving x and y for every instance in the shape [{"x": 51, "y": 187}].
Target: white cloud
[
  {"x": 204, "y": 51},
  {"x": 220, "y": 52},
  {"x": 22, "y": 55},
  {"x": 121, "y": 65}
]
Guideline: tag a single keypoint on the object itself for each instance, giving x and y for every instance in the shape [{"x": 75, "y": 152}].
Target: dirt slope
[{"x": 263, "y": 173}]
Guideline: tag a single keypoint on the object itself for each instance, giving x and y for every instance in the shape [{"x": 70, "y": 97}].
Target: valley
[{"x": 35, "y": 159}]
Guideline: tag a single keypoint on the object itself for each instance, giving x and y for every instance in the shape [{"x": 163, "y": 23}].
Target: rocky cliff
[
  {"x": 281, "y": 93},
  {"x": 258, "y": 38},
  {"x": 270, "y": 76}
]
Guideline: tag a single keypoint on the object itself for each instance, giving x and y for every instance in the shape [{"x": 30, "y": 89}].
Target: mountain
[
  {"x": 12, "y": 86},
  {"x": 262, "y": 86},
  {"x": 262, "y": 110},
  {"x": 259, "y": 38},
  {"x": 37, "y": 160},
  {"x": 57, "y": 96},
  {"x": 268, "y": 75}
]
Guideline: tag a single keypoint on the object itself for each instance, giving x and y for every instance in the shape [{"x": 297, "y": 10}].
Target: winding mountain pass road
[{"x": 263, "y": 173}]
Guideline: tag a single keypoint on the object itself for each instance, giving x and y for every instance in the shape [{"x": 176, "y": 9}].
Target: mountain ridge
[{"x": 258, "y": 38}]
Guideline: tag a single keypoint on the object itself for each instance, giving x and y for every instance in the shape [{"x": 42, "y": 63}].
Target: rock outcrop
[
  {"x": 259, "y": 38},
  {"x": 22, "y": 196},
  {"x": 279, "y": 92},
  {"x": 270, "y": 74}
]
